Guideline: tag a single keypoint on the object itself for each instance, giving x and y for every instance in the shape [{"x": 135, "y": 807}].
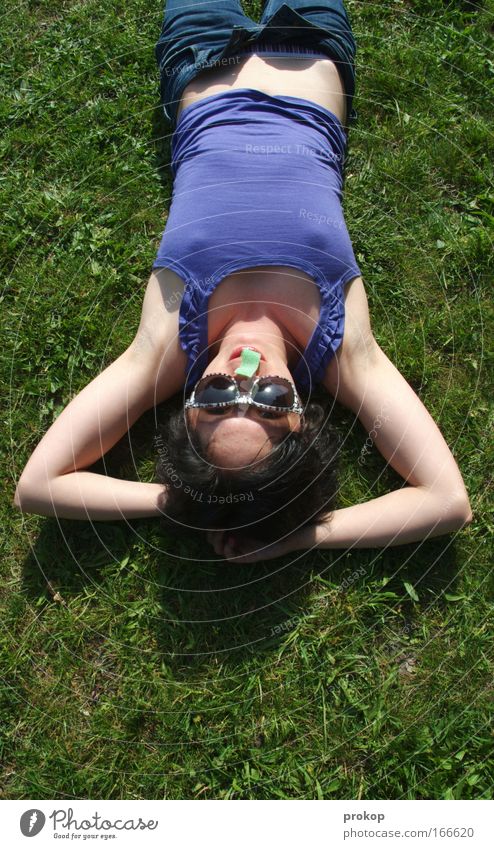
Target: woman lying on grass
[{"x": 255, "y": 299}]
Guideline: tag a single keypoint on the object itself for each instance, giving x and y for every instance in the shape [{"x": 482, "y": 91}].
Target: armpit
[{"x": 358, "y": 339}]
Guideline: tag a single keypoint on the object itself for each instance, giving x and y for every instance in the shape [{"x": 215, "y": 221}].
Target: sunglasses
[{"x": 222, "y": 390}]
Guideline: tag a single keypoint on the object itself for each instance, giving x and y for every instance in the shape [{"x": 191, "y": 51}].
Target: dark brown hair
[{"x": 294, "y": 485}]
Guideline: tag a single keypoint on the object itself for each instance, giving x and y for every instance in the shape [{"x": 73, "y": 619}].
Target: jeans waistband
[{"x": 282, "y": 49}]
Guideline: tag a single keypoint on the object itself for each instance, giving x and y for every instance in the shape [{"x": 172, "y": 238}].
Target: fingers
[
  {"x": 244, "y": 550},
  {"x": 236, "y": 549},
  {"x": 216, "y": 539},
  {"x": 220, "y": 540},
  {"x": 227, "y": 545},
  {"x": 249, "y": 551},
  {"x": 231, "y": 548}
]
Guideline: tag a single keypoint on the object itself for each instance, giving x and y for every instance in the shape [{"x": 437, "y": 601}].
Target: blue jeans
[{"x": 200, "y": 33}]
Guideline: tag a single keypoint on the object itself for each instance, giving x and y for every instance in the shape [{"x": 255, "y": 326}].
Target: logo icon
[{"x": 32, "y": 822}]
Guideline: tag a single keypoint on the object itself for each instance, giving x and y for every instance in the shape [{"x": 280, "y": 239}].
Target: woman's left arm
[{"x": 435, "y": 500}]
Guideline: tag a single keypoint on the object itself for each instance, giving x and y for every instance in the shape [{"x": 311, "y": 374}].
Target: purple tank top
[{"x": 258, "y": 181}]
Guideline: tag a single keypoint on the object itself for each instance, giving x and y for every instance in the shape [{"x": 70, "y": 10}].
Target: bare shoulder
[{"x": 358, "y": 349}]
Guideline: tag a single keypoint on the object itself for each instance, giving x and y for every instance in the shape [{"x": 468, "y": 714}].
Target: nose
[{"x": 244, "y": 399}]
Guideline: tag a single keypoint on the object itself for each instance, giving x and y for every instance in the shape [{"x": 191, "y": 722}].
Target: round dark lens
[
  {"x": 274, "y": 394},
  {"x": 215, "y": 390}
]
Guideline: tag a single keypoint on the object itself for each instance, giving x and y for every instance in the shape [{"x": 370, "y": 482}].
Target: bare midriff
[{"x": 295, "y": 76}]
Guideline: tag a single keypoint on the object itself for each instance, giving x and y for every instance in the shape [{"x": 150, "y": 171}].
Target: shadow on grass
[
  {"x": 198, "y": 609},
  {"x": 210, "y": 612}
]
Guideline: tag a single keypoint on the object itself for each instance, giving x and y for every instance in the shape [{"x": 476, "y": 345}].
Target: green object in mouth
[{"x": 249, "y": 363}]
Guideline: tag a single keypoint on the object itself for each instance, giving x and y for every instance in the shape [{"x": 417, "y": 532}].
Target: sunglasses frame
[{"x": 245, "y": 397}]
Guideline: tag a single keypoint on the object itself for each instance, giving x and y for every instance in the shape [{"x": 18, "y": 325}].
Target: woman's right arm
[{"x": 55, "y": 481}]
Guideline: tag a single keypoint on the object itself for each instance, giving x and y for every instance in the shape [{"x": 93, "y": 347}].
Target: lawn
[{"x": 135, "y": 666}]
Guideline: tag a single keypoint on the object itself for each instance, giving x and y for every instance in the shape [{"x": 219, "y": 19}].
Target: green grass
[{"x": 132, "y": 666}]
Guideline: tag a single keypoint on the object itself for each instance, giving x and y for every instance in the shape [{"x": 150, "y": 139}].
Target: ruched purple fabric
[{"x": 258, "y": 182}]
